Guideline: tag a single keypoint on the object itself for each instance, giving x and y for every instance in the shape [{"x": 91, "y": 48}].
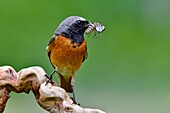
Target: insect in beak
[{"x": 95, "y": 26}]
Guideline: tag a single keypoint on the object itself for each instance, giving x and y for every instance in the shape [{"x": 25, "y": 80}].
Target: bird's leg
[
  {"x": 72, "y": 84},
  {"x": 50, "y": 78},
  {"x": 74, "y": 97}
]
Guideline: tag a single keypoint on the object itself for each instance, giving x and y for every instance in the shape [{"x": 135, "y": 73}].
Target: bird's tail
[{"x": 65, "y": 83}]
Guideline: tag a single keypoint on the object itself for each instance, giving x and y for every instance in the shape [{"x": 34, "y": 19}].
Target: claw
[
  {"x": 74, "y": 102},
  {"x": 46, "y": 76},
  {"x": 50, "y": 78},
  {"x": 49, "y": 81}
]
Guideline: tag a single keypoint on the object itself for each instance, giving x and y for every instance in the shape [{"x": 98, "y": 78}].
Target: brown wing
[
  {"x": 48, "y": 49},
  {"x": 86, "y": 55}
]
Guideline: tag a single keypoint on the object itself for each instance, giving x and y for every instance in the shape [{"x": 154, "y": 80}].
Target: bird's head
[{"x": 72, "y": 27}]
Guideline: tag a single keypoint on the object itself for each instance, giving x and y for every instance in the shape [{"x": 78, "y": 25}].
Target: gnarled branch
[{"x": 50, "y": 97}]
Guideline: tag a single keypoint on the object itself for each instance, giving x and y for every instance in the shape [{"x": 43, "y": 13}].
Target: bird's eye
[{"x": 79, "y": 23}]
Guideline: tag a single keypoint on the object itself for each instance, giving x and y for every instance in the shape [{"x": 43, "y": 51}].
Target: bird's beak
[{"x": 88, "y": 24}]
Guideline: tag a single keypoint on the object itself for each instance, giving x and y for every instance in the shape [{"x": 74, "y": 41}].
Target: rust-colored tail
[{"x": 65, "y": 83}]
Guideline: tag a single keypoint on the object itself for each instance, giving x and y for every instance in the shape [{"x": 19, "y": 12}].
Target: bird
[{"x": 67, "y": 50}]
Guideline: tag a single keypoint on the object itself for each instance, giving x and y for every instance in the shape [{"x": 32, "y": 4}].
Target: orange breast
[{"x": 65, "y": 56}]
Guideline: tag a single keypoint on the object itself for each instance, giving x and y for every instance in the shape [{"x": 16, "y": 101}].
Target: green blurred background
[{"x": 127, "y": 70}]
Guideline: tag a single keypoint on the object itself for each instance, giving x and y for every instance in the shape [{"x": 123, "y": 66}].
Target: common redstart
[{"x": 67, "y": 50}]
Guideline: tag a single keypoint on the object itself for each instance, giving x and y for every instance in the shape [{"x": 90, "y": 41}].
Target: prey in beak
[{"x": 95, "y": 26}]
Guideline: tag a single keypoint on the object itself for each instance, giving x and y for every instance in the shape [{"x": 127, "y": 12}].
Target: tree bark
[{"x": 50, "y": 97}]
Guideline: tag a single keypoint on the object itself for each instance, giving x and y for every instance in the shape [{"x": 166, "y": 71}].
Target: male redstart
[{"x": 67, "y": 50}]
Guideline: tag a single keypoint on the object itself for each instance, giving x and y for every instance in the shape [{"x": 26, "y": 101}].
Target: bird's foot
[
  {"x": 74, "y": 102},
  {"x": 49, "y": 80},
  {"x": 46, "y": 76}
]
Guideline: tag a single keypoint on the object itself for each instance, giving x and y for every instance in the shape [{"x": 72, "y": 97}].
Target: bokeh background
[{"x": 128, "y": 68}]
